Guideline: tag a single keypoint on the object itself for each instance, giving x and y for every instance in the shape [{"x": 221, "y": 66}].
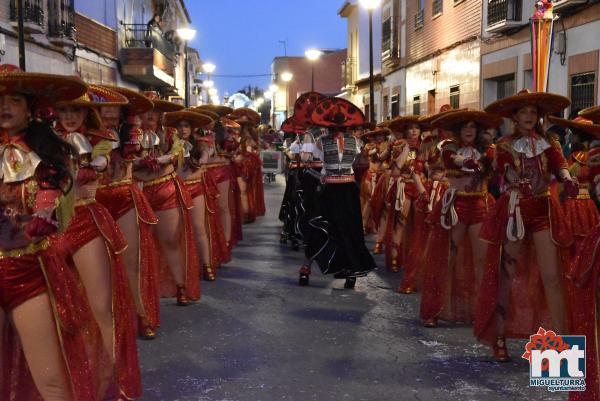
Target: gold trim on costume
[
  {"x": 160, "y": 180},
  {"x": 30, "y": 249}
]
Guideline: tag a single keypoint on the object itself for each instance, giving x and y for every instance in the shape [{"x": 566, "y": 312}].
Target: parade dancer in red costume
[
  {"x": 131, "y": 210},
  {"x": 455, "y": 259},
  {"x": 160, "y": 153},
  {"x": 376, "y": 148},
  {"x": 196, "y": 183},
  {"x": 249, "y": 165},
  {"x": 580, "y": 210},
  {"x": 44, "y": 315},
  {"x": 585, "y": 269},
  {"x": 93, "y": 241},
  {"x": 397, "y": 191},
  {"x": 526, "y": 225}
]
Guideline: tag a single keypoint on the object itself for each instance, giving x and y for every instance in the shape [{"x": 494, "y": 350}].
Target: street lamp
[
  {"x": 208, "y": 69},
  {"x": 209, "y": 84},
  {"x": 370, "y": 5},
  {"x": 312, "y": 55},
  {"x": 186, "y": 34},
  {"x": 286, "y": 77}
]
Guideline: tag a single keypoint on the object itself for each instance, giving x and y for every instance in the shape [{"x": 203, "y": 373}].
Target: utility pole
[{"x": 21, "y": 30}]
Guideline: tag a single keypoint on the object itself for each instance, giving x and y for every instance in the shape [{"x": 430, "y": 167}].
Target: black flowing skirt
[
  {"x": 334, "y": 233},
  {"x": 289, "y": 211}
]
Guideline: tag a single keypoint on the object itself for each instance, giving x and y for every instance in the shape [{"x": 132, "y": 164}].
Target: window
[
  {"x": 503, "y": 10},
  {"x": 437, "y": 8},
  {"x": 33, "y": 11},
  {"x": 386, "y": 105},
  {"x": 455, "y": 96},
  {"x": 582, "y": 90},
  {"x": 505, "y": 86},
  {"x": 417, "y": 105},
  {"x": 61, "y": 18},
  {"x": 386, "y": 35},
  {"x": 395, "y": 106},
  {"x": 420, "y": 15}
]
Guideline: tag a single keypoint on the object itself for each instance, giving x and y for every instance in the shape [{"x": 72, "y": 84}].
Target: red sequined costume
[
  {"x": 92, "y": 220},
  {"x": 376, "y": 153},
  {"x": 230, "y": 171},
  {"x": 120, "y": 194},
  {"x": 32, "y": 268},
  {"x": 585, "y": 273},
  {"x": 516, "y": 215},
  {"x": 449, "y": 287},
  {"x": 168, "y": 192},
  {"x": 581, "y": 212}
]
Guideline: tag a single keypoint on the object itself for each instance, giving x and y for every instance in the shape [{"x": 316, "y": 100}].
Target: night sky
[{"x": 242, "y": 36}]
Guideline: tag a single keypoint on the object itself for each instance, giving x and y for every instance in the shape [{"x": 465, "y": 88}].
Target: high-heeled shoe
[
  {"x": 500, "y": 352},
  {"x": 182, "y": 299},
  {"x": 394, "y": 266},
  {"x": 350, "y": 282},
  {"x": 304, "y": 274},
  {"x": 406, "y": 290},
  {"x": 209, "y": 273},
  {"x": 377, "y": 248},
  {"x": 430, "y": 323},
  {"x": 145, "y": 331}
]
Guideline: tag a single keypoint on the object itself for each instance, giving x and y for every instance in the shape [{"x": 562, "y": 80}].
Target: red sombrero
[
  {"x": 229, "y": 123},
  {"x": 336, "y": 112},
  {"x": 245, "y": 116},
  {"x": 304, "y": 106},
  {"x": 196, "y": 120},
  {"x": 425, "y": 121},
  {"x": 399, "y": 123},
  {"x": 378, "y": 131},
  {"x": 96, "y": 96},
  {"x": 579, "y": 123},
  {"x": 384, "y": 124},
  {"x": 213, "y": 116},
  {"x": 45, "y": 89},
  {"x": 291, "y": 126},
  {"x": 450, "y": 119},
  {"x": 161, "y": 104},
  {"x": 138, "y": 103},
  {"x": 217, "y": 108},
  {"x": 547, "y": 103},
  {"x": 591, "y": 113}
]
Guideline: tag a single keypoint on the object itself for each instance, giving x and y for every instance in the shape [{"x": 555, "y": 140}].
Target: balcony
[
  {"x": 348, "y": 74},
  {"x": 504, "y": 15},
  {"x": 61, "y": 21},
  {"x": 437, "y": 8},
  {"x": 561, "y": 5},
  {"x": 62, "y": 32},
  {"x": 33, "y": 15},
  {"x": 147, "y": 56},
  {"x": 419, "y": 19}
]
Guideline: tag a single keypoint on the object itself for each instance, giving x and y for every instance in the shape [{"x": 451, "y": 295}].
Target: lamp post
[
  {"x": 273, "y": 89},
  {"x": 312, "y": 55},
  {"x": 286, "y": 77},
  {"x": 21, "y": 31},
  {"x": 186, "y": 34},
  {"x": 370, "y": 5},
  {"x": 208, "y": 69}
]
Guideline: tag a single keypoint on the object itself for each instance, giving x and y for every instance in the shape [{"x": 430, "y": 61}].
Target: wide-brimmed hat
[
  {"x": 591, "y": 113},
  {"x": 335, "y": 112},
  {"x": 44, "y": 89},
  {"x": 401, "y": 122},
  {"x": 229, "y": 123},
  {"x": 138, "y": 103},
  {"x": 161, "y": 104},
  {"x": 304, "y": 106},
  {"x": 547, "y": 103},
  {"x": 579, "y": 123},
  {"x": 217, "y": 108},
  {"x": 245, "y": 116},
  {"x": 213, "y": 116},
  {"x": 291, "y": 126},
  {"x": 425, "y": 121},
  {"x": 377, "y": 131},
  {"x": 196, "y": 120},
  {"x": 449, "y": 120}
]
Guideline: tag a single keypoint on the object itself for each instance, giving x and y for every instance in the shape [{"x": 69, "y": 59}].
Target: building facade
[
  {"x": 104, "y": 42},
  {"x": 506, "y": 51},
  {"x": 322, "y": 75}
]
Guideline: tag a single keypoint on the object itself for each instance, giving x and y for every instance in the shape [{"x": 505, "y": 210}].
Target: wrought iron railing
[
  {"x": 503, "y": 10},
  {"x": 437, "y": 7},
  {"x": 33, "y": 11},
  {"x": 142, "y": 35},
  {"x": 61, "y": 18},
  {"x": 419, "y": 19},
  {"x": 582, "y": 90}
]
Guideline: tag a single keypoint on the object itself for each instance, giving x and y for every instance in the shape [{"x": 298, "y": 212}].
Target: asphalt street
[{"x": 257, "y": 336}]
